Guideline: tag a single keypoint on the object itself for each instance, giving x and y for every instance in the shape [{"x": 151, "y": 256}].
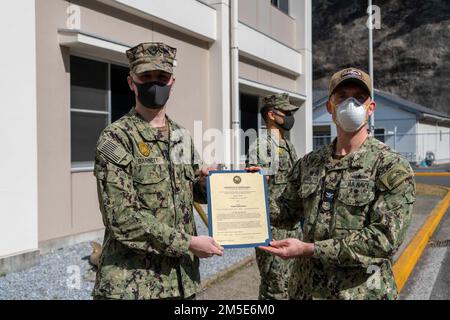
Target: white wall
[
  {"x": 434, "y": 138},
  {"x": 219, "y": 79},
  {"x": 301, "y": 10},
  {"x": 18, "y": 160},
  {"x": 392, "y": 119}
]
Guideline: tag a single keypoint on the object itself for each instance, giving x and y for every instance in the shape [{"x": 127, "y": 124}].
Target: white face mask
[{"x": 350, "y": 115}]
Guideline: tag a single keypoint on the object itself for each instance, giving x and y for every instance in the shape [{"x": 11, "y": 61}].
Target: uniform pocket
[
  {"x": 356, "y": 194},
  {"x": 152, "y": 185},
  {"x": 354, "y": 200}
]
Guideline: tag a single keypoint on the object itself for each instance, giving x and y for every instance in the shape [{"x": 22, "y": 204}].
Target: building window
[
  {"x": 321, "y": 136},
  {"x": 249, "y": 105},
  {"x": 99, "y": 95},
  {"x": 283, "y": 5},
  {"x": 380, "y": 134}
]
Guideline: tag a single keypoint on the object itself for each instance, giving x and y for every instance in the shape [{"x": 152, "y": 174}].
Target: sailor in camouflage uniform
[
  {"x": 356, "y": 196},
  {"x": 275, "y": 153},
  {"x": 148, "y": 175}
]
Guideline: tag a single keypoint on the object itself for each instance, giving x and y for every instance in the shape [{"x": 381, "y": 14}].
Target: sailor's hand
[
  {"x": 290, "y": 248},
  {"x": 205, "y": 247}
]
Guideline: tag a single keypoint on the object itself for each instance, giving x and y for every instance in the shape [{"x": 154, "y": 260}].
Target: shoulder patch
[
  {"x": 112, "y": 150},
  {"x": 395, "y": 176}
]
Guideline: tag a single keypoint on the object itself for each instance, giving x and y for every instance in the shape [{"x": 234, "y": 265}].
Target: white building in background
[
  {"x": 65, "y": 80},
  {"x": 410, "y": 128}
]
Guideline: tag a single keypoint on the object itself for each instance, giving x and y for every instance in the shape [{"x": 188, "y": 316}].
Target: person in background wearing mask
[
  {"x": 356, "y": 196},
  {"x": 148, "y": 175},
  {"x": 275, "y": 153}
]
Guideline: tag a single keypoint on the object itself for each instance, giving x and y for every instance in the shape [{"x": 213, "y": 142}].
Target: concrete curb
[{"x": 410, "y": 256}]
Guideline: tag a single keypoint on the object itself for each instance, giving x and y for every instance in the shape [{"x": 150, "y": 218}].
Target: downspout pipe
[{"x": 235, "y": 110}]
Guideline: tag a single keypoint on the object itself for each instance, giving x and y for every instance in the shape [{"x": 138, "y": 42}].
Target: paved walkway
[{"x": 241, "y": 285}]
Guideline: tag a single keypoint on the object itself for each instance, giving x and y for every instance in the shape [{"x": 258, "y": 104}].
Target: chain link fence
[{"x": 423, "y": 149}]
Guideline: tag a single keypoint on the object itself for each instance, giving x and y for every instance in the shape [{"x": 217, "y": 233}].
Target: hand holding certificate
[{"x": 238, "y": 209}]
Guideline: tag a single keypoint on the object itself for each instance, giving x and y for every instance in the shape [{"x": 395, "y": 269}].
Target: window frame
[
  {"x": 277, "y": 6},
  {"x": 88, "y": 166}
]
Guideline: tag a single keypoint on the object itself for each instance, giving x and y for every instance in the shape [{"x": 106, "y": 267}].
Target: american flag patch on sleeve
[{"x": 112, "y": 150}]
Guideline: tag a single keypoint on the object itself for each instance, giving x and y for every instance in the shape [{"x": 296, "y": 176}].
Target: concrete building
[
  {"x": 412, "y": 129},
  {"x": 65, "y": 80}
]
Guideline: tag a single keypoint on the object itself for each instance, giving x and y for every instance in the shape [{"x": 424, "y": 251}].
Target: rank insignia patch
[{"x": 143, "y": 149}]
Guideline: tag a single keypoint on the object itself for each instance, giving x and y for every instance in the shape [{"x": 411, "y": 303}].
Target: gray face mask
[
  {"x": 153, "y": 95},
  {"x": 288, "y": 122}
]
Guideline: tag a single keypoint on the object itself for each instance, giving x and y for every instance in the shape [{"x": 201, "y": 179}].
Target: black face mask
[
  {"x": 153, "y": 95},
  {"x": 288, "y": 122}
]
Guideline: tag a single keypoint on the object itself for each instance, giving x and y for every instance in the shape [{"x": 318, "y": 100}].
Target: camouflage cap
[
  {"x": 149, "y": 56},
  {"x": 350, "y": 75},
  {"x": 279, "y": 101}
]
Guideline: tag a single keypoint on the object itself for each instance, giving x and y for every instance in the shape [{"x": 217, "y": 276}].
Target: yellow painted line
[
  {"x": 432, "y": 174},
  {"x": 408, "y": 259}
]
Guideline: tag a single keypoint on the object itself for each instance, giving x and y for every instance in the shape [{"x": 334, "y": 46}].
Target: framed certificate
[{"x": 238, "y": 210}]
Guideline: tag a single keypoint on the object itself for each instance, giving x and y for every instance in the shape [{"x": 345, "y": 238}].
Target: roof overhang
[
  {"x": 433, "y": 118},
  {"x": 94, "y": 45}
]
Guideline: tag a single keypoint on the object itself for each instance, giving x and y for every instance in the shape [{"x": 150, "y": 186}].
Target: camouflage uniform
[
  {"x": 277, "y": 156},
  {"x": 356, "y": 212},
  {"x": 146, "y": 183}
]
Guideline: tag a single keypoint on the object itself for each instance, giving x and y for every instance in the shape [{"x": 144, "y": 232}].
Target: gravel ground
[{"x": 66, "y": 273}]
